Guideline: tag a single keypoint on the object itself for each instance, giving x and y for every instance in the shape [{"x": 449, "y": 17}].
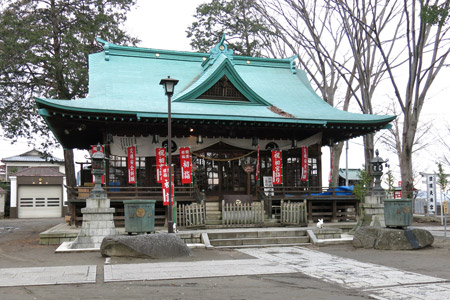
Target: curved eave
[{"x": 43, "y": 106}]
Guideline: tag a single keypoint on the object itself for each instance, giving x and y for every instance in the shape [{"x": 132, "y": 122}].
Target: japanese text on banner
[
  {"x": 304, "y": 176},
  {"x": 277, "y": 168},
  {"x": 257, "y": 164},
  {"x": 165, "y": 184},
  {"x": 186, "y": 165},
  {"x": 131, "y": 165},
  {"x": 160, "y": 162}
]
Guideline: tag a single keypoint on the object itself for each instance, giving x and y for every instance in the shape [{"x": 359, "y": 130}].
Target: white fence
[
  {"x": 419, "y": 206},
  {"x": 293, "y": 212},
  {"x": 191, "y": 215},
  {"x": 242, "y": 214}
]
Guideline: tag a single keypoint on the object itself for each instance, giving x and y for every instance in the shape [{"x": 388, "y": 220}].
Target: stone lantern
[
  {"x": 98, "y": 216},
  {"x": 377, "y": 171},
  {"x": 98, "y": 169}
]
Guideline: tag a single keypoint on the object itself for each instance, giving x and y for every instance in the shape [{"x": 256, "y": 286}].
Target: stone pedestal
[
  {"x": 371, "y": 212},
  {"x": 98, "y": 223}
]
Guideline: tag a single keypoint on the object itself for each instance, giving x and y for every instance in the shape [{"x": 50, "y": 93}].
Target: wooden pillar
[
  {"x": 334, "y": 212},
  {"x": 310, "y": 216}
]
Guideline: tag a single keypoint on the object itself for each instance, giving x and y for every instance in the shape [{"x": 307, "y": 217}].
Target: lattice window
[{"x": 223, "y": 90}]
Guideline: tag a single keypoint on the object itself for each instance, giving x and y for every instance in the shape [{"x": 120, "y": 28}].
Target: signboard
[
  {"x": 445, "y": 207},
  {"x": 268, "y": 185},
  {"x": 186, "y": 165},
  {"x": 131, "y": 165},
  {"x": 431, "y": 193},
  {"x": 304, "y": 176},
  {"x": 102, "y": 150},
  {"x": 160, "y": 162},
  {"x": 277, "y": 168}
]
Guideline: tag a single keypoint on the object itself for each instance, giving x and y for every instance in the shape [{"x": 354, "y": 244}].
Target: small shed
[
  {"x": 351, "y": 174},
  {"x": 38, "y": 192}
]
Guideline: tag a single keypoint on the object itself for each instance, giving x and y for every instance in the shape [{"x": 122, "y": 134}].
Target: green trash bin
[
  {"x": 397, "y": 212},
  {"x": 139, "y": 216}
]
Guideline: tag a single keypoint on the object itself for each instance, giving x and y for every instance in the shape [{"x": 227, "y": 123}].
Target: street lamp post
[{"x": 169, "y": 87}]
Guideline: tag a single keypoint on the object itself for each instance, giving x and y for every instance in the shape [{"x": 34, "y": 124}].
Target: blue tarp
[{"x": 339, "y": 191}]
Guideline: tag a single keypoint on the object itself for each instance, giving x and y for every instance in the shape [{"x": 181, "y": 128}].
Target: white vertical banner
[{"x": 431, "y": 193}]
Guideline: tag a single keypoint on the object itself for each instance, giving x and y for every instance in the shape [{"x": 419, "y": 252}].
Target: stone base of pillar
[
  {"x": 371, "y": 212},
  {"x": 98, "y": 223}
]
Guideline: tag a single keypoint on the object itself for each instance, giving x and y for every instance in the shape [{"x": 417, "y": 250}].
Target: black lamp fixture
[
  {"x": 254, "y": 141},
  {"x": 169, "y": 87},
  {"x": 294, "y": 144},
  {"x": 155, "y": 139},
  {"x": 199, "y": 139}
]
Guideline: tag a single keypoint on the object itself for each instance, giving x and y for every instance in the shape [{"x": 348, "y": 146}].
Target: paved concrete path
[
  {"x": 47, "y": 275},
  {"x": 379, "y": 282},
  {"x": 184, "y": 270}
]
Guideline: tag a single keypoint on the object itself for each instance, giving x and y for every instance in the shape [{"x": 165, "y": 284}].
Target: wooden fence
[
  {"x": 191, "y": 215},
  {"x": 294, "y": 212},
  {"x": 242, "y": 214}
]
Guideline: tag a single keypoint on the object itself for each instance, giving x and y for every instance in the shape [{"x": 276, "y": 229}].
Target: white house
[{"x": 33, "y": 158}]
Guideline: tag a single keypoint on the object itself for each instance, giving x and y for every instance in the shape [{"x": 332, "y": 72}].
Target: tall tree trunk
[
  {"x": 69, "y": 169},
  {"x": 337, "y": 151},
  {"x": 368, "y": 152}
]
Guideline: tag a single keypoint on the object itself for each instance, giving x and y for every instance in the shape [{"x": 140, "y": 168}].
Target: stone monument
[{"x": 98, "y": 216}]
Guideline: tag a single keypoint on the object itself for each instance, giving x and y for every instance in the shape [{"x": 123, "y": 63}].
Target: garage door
[{"x": 39, "y": 201}]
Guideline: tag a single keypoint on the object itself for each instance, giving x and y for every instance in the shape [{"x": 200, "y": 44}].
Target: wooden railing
[
  {"x": 293, "y": 213},
  {"x": 191, "y": 215},
  {"x": 286, "y": 192},
  {"x": 242, "y": 214},
  {"x": 125, "y": 193}
]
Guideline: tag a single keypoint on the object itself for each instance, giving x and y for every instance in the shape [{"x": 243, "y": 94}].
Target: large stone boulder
[
  {"x": 163, "y": 245},
  {"x": 392, "y": 239}
]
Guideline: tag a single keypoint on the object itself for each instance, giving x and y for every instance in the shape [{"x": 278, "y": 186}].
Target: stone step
[
  {"x": 213, "y": 217},
  {"x": 256, "y": 234},
  {"x": 328, "y": 233},
  {"x": 329, "y": 236},
  {"x": 259, "y": 241},
  {"x": 263, "y": 246},
  {"x": 215, "y": 223}
]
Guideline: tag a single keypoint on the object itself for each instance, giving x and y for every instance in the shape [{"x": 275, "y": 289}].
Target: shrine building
[{"x": 232, "y": 112}]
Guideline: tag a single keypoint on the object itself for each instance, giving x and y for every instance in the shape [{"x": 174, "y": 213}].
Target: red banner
[
  {"x": 304, "y": 176},
  {"x": 160, "y": 162},
  {"x": 277, "y": 168},
  {"x": 186, "y": 165},
  {"x": 165, "y": 184},
  {"x": 131, "y": 165},
  {"x": 102, "y": 150},
  {"x": 257, "y": 163}
]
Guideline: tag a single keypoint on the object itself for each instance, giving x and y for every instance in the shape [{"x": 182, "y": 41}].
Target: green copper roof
[{"x": 125, "y": 80}]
